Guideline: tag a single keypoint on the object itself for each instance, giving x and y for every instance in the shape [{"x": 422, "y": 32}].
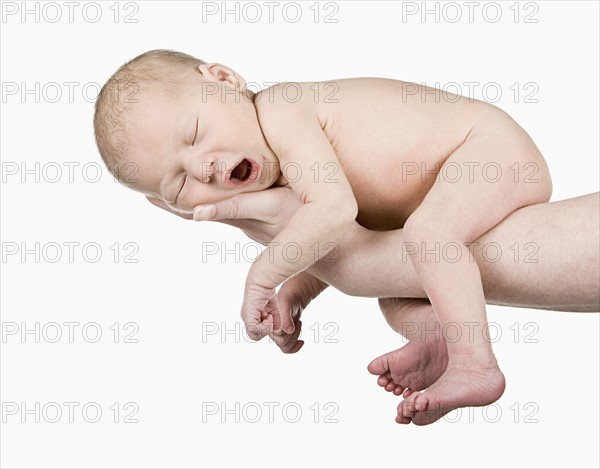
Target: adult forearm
[{"x": 543, "y": 256}]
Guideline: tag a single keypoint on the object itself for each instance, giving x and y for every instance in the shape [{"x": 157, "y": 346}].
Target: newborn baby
[{"x": 385, "y": 153}]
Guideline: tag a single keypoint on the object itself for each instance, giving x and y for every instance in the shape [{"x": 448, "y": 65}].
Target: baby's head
[{"x": 181, "y": 130}]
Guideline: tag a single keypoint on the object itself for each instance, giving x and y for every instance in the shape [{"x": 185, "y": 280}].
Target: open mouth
[
  {"x": 242, "y": 171},
  {"x": 245, "y": 172}
]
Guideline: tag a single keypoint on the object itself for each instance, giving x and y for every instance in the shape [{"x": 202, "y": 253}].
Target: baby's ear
[{"x": 220, "y": 73}]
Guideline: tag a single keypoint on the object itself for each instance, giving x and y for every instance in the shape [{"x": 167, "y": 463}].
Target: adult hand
[{"x": 261, "y": 215}]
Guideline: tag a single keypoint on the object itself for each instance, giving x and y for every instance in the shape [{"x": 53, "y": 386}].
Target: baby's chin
[{"x": 271, "y": 174}]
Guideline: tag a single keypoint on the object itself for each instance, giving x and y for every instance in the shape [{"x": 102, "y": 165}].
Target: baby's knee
[
  {"x": 528, "y": 168},
  {"x": 531, "y": 173}
]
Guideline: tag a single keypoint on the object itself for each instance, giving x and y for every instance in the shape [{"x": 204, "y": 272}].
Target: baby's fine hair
[{"x": 161, "y": 67}]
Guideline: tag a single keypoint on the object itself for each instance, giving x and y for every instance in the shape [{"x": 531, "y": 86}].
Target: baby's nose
[
  {"x": 204, "y": 170},
  {"x": 209, "y": 169}
]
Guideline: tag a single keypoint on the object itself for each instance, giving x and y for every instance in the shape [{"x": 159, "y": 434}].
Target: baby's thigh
[{"x": 495, "y": 171}]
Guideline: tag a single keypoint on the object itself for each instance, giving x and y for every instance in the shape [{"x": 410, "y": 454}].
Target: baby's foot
[
  {"x": 414, "y": 367},
  {"x": 419, "y": 363},
  {"x": 468, "y": 381}
]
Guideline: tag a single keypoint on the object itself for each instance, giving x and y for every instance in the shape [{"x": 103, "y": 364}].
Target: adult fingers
[{"x": 262, "y": 206}]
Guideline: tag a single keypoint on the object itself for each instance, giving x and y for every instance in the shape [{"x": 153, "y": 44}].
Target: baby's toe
[
  {"x": 401, "y": 419},
  {"x": 407, "y": 407},
  {"x": 421, "y": 402}
]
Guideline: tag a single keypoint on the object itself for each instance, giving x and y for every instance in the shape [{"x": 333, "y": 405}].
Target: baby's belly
[
  {"x": 387, "y": 204},
  {"x": 394, "y": 182}
]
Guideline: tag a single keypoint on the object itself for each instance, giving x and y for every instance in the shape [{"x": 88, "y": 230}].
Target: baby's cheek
[{"x": 199, "y": 196}]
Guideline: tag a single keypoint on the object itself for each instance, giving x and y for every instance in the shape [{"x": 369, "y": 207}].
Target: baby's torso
[{"x": 391, "y": 138}]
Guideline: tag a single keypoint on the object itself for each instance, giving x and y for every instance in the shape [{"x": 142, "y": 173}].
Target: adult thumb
[{"x": 261, "y": 206}]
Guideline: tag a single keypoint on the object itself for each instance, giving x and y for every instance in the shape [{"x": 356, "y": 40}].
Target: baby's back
[{"x": 391, "y": 138}]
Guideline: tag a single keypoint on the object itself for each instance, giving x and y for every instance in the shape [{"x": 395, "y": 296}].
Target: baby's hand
[
  {"x": 261, "y": 314},
  {"x": 290, "y": 304}
]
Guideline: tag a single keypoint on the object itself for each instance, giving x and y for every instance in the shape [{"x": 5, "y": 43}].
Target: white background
[{"x": 172, "y": 296}]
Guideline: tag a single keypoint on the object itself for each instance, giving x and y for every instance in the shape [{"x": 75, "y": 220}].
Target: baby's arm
[
  {"x": 293, "y": 297},
  {"x": 329, "y": 209}
]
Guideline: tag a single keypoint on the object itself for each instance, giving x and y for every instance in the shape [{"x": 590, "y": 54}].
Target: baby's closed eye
[
  {"x": 181, "y": 186},
  {"x": 196, "y": 132}
]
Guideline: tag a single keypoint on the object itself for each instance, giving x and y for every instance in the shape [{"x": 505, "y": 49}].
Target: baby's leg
[{"x": 492, "y": 164}]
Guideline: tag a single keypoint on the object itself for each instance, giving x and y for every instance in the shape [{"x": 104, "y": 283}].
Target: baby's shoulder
[
  {"x": 318, "y": 97},
  {"x": 290, "y": 102},
  {"x": 289, "y": 114},
  {"x": 313, "y": 92},
  {"x": 285, "y": 106},
  {"x": 285, "y": 97}
]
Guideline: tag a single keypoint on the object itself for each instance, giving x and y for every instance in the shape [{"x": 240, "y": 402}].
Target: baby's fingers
[
  {"x": 289, "y": 343},
  {"x": 286, "y": 323},
  {"x": 283, "y": 323}
]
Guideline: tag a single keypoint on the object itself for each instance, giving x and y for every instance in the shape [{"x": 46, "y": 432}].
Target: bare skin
[
  {"x": 449, "y": 211},
  {"x": 371, "y": 132},
  {"x": 560, "y": 276},
  {"x": 419, "y": 364},
  {"x": 566, "y": 276},
  {"x": 563, "y": 275}
]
